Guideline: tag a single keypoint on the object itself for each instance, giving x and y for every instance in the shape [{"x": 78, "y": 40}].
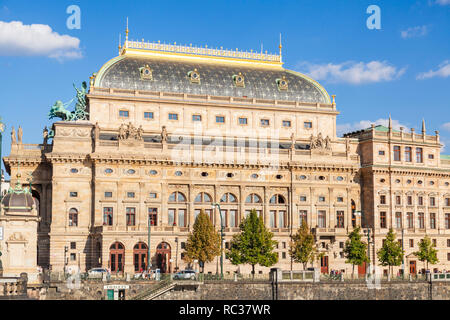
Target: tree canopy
[
  {"x": 203, "y": 243},
  {"x": 391, "y": 253},
  {"x": 427, "y": 253},
  {"x": 303, "y": 246},
  {"x": 253, "y": 245},
  {"x": 355, "y": 249}
]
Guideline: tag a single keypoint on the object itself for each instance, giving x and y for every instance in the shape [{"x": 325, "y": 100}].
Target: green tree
[
  {"x": 355, "y": 250},
  {"x": 253, "y": 245},
  {"x": 426, "y": 252},
  {"x": 391, "y": 253},
  {"x": 303, "y": 246},
  {"x": 203, "y": 243}
]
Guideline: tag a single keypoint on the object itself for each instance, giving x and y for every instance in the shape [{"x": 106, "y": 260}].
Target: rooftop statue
[{"x": 59, "y": 109}]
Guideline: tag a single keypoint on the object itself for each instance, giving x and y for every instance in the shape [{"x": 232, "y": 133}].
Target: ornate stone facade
[{"x": 149, "y": 153}]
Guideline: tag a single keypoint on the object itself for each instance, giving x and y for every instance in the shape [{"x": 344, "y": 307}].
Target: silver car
[
  {"x": 97, "y": 273},
  {"x": 185, "y": 275}
]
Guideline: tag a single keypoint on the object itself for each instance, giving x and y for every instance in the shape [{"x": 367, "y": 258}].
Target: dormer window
[
  {"x": 194, "y": 76},
  {"x": 282, "y": 84},
  {"x": 239, "y": 80},
  {"x": 146, "y": 73}
]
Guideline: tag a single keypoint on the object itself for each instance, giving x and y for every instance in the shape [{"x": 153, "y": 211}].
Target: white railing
[{"x": 202, "y": 51}]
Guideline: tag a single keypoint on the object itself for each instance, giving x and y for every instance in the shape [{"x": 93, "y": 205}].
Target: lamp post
[
  {"x": 150, "y": 223},
  {"x": 66, "y": 249},
  {"x": 403, "y": 257},
  {"x": 221, "y": 237}
]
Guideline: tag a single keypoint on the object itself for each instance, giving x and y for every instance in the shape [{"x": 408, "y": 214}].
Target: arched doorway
[
  {"x": 163, "y": 256},
  {"x": 140, "y": 253},
  {"x": 116, "y": 257}
]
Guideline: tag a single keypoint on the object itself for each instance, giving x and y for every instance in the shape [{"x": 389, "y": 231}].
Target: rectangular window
[
  {"x": 124, "y": 114},
  {"x": 397, "y": 153},
  {"x": 447, "y": 221},
  {"x": 302, "y": 217},
  {"x": 131, "y": 216},
  {"x": 409, "y": 200},
  {"x": 398, "y": 200},
  {"x": 303, "y": 198},
  {"x": 411, "y": 243},
  {"x": 307, "y": 125},
  {"x": 243, "y": 121},
  {"x": 233, "y": 218},
  {"x": 340, "y": 219},
  {"x": 432, "y": 201},
  {"x": 419, "y": 155},
  {"x": 282, "y": 219},
  {"x": 73, "y": 194},
  {"x": 381, "y": 152},
  {"x": 410, "y": 220},
  {"x": 153, "y": 216},
  {"x": 434, "y": 243},
  {"x": 108, "y": 216},
  {"x": 382, "y": 199},
  {"x": 148, "y": 115},
  {"x": 286, "y": 123},
  {"x": 73, "y": 257},
  {"x": 220, "y": 119},
  {"x": 408, "y": 154},
  {"x": 171, "y": 217},
  {"x": 340, "y": 199},
  {"x": 398, "y": 220},
  {"x": 196, "y": 117},
  {"x": 432, "y": 220},
  {"x": 131, "y": 194},
  {"x": 273, "y": 220},
  {"x": 448, "y": 243},
  {"x": 73, "y": 245},
  {"x": 447, "y": 202},
  {"x": 382, "y": 219},
  {"x": 108, "y": 194},
  {"x": 322, "y": 219},
  {"x": 420, "y": 200},
  {"x": 431, "y": 156},
  {"x": 421, "y": 220},
  {"x": 321, "y": 199},
  {"x": 73, "y": 219},
  {"x": 153, "y": 195},
  {"x": 448, "y": 256},
  {"x": 173, "y": 116},
  {"x": 182, "y": 218},
  {"x": 265, "y": 122}
]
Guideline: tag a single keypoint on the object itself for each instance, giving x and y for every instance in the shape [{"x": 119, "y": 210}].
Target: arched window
[
  {"x": 140, "y": 252},
  {"x": 203, "y": 197},
  {"x": 73, "y": 217},
  {"x": 177, "y": 215},
  {"x": 229, "y": 213},
  {"x": 253, "y": 198},
  {"x": 278, "y": 215},
  {"x": 228, "y": 198},
  {"x": 277, "y": 199},
  {"x": 177, "y": 197},
  {"x": 117, "y": 257}
]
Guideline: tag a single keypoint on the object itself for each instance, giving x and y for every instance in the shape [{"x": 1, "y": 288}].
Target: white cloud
[
  {"x": 413, "y": 32},
  {"x": 353, "y": 72},
  {"x": 446, "y": 126},
  {"x": 17, "y": 39},
  {"x": 365, "y": 124},
  {"x": 442, "y": 71},
  {"x": 443, "y": 2}
]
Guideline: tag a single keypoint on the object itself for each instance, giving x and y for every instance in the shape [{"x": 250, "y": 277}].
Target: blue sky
[{"x": 402, "y": 69}]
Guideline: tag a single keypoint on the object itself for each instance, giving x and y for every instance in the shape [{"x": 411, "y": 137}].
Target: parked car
[
  {"x": 97, "y": 273},
  {"x": 185, "y": 275}
]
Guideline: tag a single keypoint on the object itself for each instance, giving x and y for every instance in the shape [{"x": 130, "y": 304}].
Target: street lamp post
[
  {"x": 403, "y": 257},
  {"x": 149, "y": 265},
  {"x": 221, "y": 237}
]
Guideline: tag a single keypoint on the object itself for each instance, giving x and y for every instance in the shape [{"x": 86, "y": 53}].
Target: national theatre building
[{"x": 173, "y": 129}]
